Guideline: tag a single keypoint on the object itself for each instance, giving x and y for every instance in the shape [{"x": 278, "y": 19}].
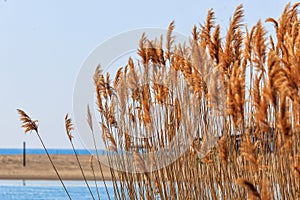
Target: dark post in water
[{"x": 24, "y": 154}]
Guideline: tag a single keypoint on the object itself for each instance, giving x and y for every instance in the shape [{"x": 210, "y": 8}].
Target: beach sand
[{"x": 38, "y": 167}]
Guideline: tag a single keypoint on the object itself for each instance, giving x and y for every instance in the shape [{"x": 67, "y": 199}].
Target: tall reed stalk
[
  {"x": 189, "y": 121},
  {"x": 30, "y": 125},
  {"x": 244, "y": 128},
  {"x": 69, "y": 128}
]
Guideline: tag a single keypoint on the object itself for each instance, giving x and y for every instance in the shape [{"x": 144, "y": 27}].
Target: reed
[
  {"x": 31, "y": 125},
  {"x": 69, "y": 128},
  {"x": 227, "y": 109},
  {"x": 90, "y": 123},
  {"x": 244, "y": 126}
]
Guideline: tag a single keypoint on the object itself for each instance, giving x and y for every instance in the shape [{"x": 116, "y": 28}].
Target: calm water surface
[{"x": 46, "y": 190}]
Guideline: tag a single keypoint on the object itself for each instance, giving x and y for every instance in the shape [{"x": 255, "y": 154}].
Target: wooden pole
[{"x": 24, "y": 154}]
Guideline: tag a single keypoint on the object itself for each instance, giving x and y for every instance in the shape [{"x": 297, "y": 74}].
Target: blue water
[
  {"x": 51, "y": 151},
  {"x": 46, "y": 190},
  {"x": 50, "y": 190}
]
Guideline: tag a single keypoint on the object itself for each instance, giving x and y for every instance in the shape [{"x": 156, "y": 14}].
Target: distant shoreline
[{"x": 38, "y": 167}]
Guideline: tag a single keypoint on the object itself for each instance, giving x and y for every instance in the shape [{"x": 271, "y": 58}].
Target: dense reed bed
[{"x": 213, "y": 119}]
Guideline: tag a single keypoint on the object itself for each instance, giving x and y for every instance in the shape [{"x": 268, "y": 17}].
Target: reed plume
[
  {"x": 31, "y": 125},
  {"x": 224, "y": 107},
  {"x": 70, "y": 127}
]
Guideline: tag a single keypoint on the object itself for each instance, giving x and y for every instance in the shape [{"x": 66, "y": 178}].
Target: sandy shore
[{"x": 39, "y": 167}]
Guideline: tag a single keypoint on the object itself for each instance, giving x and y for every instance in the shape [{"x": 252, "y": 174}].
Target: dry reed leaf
[
  {"x": 215, "y": 47},
  {"x": 207, "y": 159},
  {"x": 89, "y": 118},
  {"x": 110, "y": 115},
  {"x": 28, "y": 123},
  {"x": 237, "y": 45},
  {"x": 97, "y": 75},
  {"x": 112, "y": 148},
  {"x": 139, "y": 163},
  {"x": 91, "y": 161},
  {"x": 260, "y": 46},
  {"x": 152, "y": 158},
  {"x": 248, "y": 47},
  {"x": 296, "y": 166},
  {"x": 248, "y": 152},
  {"x": 160, "y": 52},
  {"x": 146, "y": 104},
  {"x": 160, "y": 92},
  {"x": 142, "y": 51},
  {"x": 118, "y": 77},
  {"x": 152, "y": 52},
  {"x": 178, "y": 114},
  {"x": 170, "y": 40},
  {"x": 69, "y": 126},
  {"x": 272, "y": 43},
  {"x": 127, "y": 141},
  {"x": 197, "y": 58},
  {"x": 133, "y": 78},
  {"x": 98, "y": 81},
  {"x": 252, "y": 191},
  {"x": 108, "y": 87},
  {"x": 272, "y": 20},
  {"x": 108, "y": 139},
  {"x": 265, "y": 194},
  {"x": 228, "y": 54},
  {"x": 223, "y": 150},
  {"x": 205, "y": 34}
]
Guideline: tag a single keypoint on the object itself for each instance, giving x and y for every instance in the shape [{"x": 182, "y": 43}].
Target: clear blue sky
[{"x": 44, "y": 43}]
